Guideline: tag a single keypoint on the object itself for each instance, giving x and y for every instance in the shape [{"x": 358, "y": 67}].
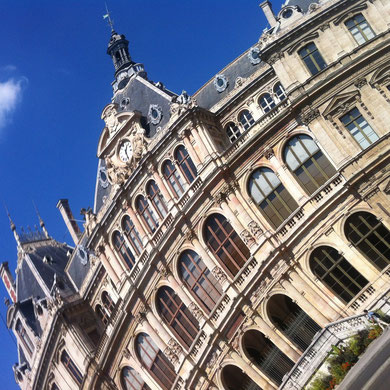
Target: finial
[
  {"x": 12, "y": 226},
  {"x": 41, "y": 223},
  {"x": 108, "y": 16}
]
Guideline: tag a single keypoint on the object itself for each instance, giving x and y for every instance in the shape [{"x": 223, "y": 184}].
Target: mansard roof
[{"x": 302, "y": 4}]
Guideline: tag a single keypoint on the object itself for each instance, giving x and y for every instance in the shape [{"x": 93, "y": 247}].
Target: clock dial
[{"x": 125, "y": 151}]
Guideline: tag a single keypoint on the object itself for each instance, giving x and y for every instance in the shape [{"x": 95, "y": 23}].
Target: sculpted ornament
[
  {"x": 219, "y": 274},
  {"x": 255, "y": 228},
  {"x": 246, "y": 237},
  {"x": 109, "y": 116},
  {"x": 195, "y": 311}
]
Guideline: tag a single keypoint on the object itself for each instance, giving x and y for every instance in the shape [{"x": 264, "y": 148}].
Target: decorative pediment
[
  {"x": 306, "y": 39},
  {"x": 381, "y": 76},
  {"x": 341, "y": 103},
  {"x": 348, "y": 14}
]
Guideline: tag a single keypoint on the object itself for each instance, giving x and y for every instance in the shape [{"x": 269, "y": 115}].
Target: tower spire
[
  {"x": 41, "y": 223},
  {"x": 108, "y": 16},
  {"x": 13, "y": 227}
]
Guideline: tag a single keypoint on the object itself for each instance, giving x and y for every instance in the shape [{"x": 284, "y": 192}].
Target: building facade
[{"x": 229, "y": 226}]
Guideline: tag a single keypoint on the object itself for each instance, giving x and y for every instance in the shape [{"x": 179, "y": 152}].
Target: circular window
[
  {"x": 220, "y": 82},
  {"x": 103, "y": 179},
  {"x": 155, "y": 114},
  {"x": 83, "y": 255},
  {"x": 254, "y": 55},
  {"x": 287, "y": 13},
  {"x": 123, "y": 83}
]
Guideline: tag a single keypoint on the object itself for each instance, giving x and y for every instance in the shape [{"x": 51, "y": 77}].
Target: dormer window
[{"x": 24, "y": 338}]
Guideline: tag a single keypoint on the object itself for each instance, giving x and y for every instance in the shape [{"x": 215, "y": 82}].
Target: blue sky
[{"x": 55, "y": 79}]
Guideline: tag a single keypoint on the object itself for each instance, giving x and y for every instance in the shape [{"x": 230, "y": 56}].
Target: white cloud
[{"x": 10, "y": 96}]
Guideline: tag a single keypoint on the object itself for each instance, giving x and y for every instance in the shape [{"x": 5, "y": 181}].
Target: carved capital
[
  {"x": 255, "y": 229},
  {"x": 195, "y": 311},
  {"x": 246, "y": 237},
  {"x": 219, "y": 274},
  {"x": 308, "y": 114},
  {"x": 220, "y": 197}
]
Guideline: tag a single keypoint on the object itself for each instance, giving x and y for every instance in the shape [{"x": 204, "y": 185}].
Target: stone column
[
  {"x": 191, "y": 151},
  {"x": 313, "y": 297},
  {"x": 212, "y": 265},
  {"x": 106, "y": 264},
  {"x": 137, "y": 224},
  {"x": 118, "y": 266},
  {"x": 252, "y": 372},
  {"x": 310, "y": 309},
  {"x": 161, "y": 185},
  {"x": 200, "y": 143},
  {"x": 244, "y": 234},
  {"x": 284, "y": 346}
]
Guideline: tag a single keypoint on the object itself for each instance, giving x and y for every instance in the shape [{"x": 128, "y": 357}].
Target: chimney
[
  {"x": 269, "y": 14},
  {"x": 70, "y": 222},
  {"x": 8, "y": 280}
]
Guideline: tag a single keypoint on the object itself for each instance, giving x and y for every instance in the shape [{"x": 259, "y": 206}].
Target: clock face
[{"x": 125, "y": 151}]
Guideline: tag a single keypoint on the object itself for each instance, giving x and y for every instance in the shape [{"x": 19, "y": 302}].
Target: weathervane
[{"x": 108, "y": 16}]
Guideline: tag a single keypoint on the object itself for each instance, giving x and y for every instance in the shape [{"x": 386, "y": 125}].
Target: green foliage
[{"x": 342, "y": 358}]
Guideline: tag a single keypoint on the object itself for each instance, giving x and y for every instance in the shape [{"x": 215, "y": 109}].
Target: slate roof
[
  {"x": 76, "y": 269},
  {"x": 100, "y": 191},
  {"x": 27, "y": 310}
]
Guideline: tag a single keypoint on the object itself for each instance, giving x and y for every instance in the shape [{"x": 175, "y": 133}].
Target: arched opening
[
  {"x": 266, "y": 102},
  {"x": 292, "y": 321},
  {"x": 124, "y": 251},
  {"x": 266, "y": 355},
  {"x": 370, "y": 237},
  {"x": 131, "y": 380},
  {"x": 155, "y": 196},
  {"x": 147, "y": 214},
  {"x": 307, "y": 162},
  {"x": 246, "y": 119},
  {"x": 225, "y": 243},
  {"x": 175, "y": 181},
  {"x": 233, "y": 378},
  {"x": 279, "y": 92},
  {"x": 132, "y": 234},
  {"x": 155, "y": 361},
  {"x": 177, "y": 315},
  {"x": 270, "y": 195},
  {"x": 337, "y": 273},
  {"x": 185, "y": 163},
  {"x": 200, "y": 281},
  {"x": 232, "y": 131}
]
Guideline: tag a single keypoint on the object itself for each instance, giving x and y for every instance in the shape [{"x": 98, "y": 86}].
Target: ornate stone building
[{"x": 228, "y": 226}]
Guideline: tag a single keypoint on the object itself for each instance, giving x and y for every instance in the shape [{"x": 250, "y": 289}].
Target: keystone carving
[
  {"x": 359, "y": 83},
  {"x": 309, "y": 114},
  {"x": 219, "y": 274}
]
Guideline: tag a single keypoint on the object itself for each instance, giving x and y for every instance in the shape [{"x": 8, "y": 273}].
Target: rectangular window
[
  {"x": 359, "y": 128},
  {"x": 360, "y": 29},
  {"x": 312, "y": 58}
]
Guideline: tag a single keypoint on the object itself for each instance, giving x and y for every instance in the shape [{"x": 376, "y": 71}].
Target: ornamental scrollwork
[
  {"x": 195, "y": 311},
  {"x": 219, "y": 274}
]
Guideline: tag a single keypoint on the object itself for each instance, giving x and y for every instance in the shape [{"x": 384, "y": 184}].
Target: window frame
[
  {"x": 180, "y": 311},
  {"x": 358, "y": 27},
  {"x": 233, "y": 131},
  {"x": 156, "y": 198},
  {"x": 132, "y": 234},
  {"x": 246, "y": 119},
  {"x": 204, "y": 272},
  {"x": 173, "y": 177},
  {"x": 123, "y": 379},
  {"x": 71, "y": 367},
  {"x": 266, "y": 102},
  {"x": 146, "y": 213},
  {"x": 311, "y": 58},
  {"x": 123, "y": 250},
  {"x": 185, "y": 163}
]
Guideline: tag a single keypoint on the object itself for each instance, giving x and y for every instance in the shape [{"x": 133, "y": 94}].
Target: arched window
[
  {"x": 266, "y": 355},
  {"x": 232, "y": 131},
  {"x": 54, "y": 387},
  {"x": 24, "y": 337},
  {"x": 305, "y": 159},
  {"x": 269, "y": 194},
  {"x": 146, "y": 213},
  {"x": 123, "y": 250},
  {"x": 107, "y": 301},
  {"x": 175, "y": 181},
  {"x": 185, "y": 163},
  {"x": 291, "y": 320},
  {"x": 156, "y": 198},
  {"x": 233, "y": 378},
  {"x": 199, "y": 280},
  {"x": 177, "y": 315},
  {"x": 71, "y": 367},
  {"x": 132, "y": 234},
  {"x": 266, "y": 102},
  {"x": 155, "y": 361},
  {"x": 370, "y": 237},
  {"x": 337, "y": 273},
  {"x": 131, "y": 380},
  {"x": 279, "y": 92},
  {"x": 246, "y": 119},
  {"x": 102, "y": 314},
  {"x": 225, "y": 243}
]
